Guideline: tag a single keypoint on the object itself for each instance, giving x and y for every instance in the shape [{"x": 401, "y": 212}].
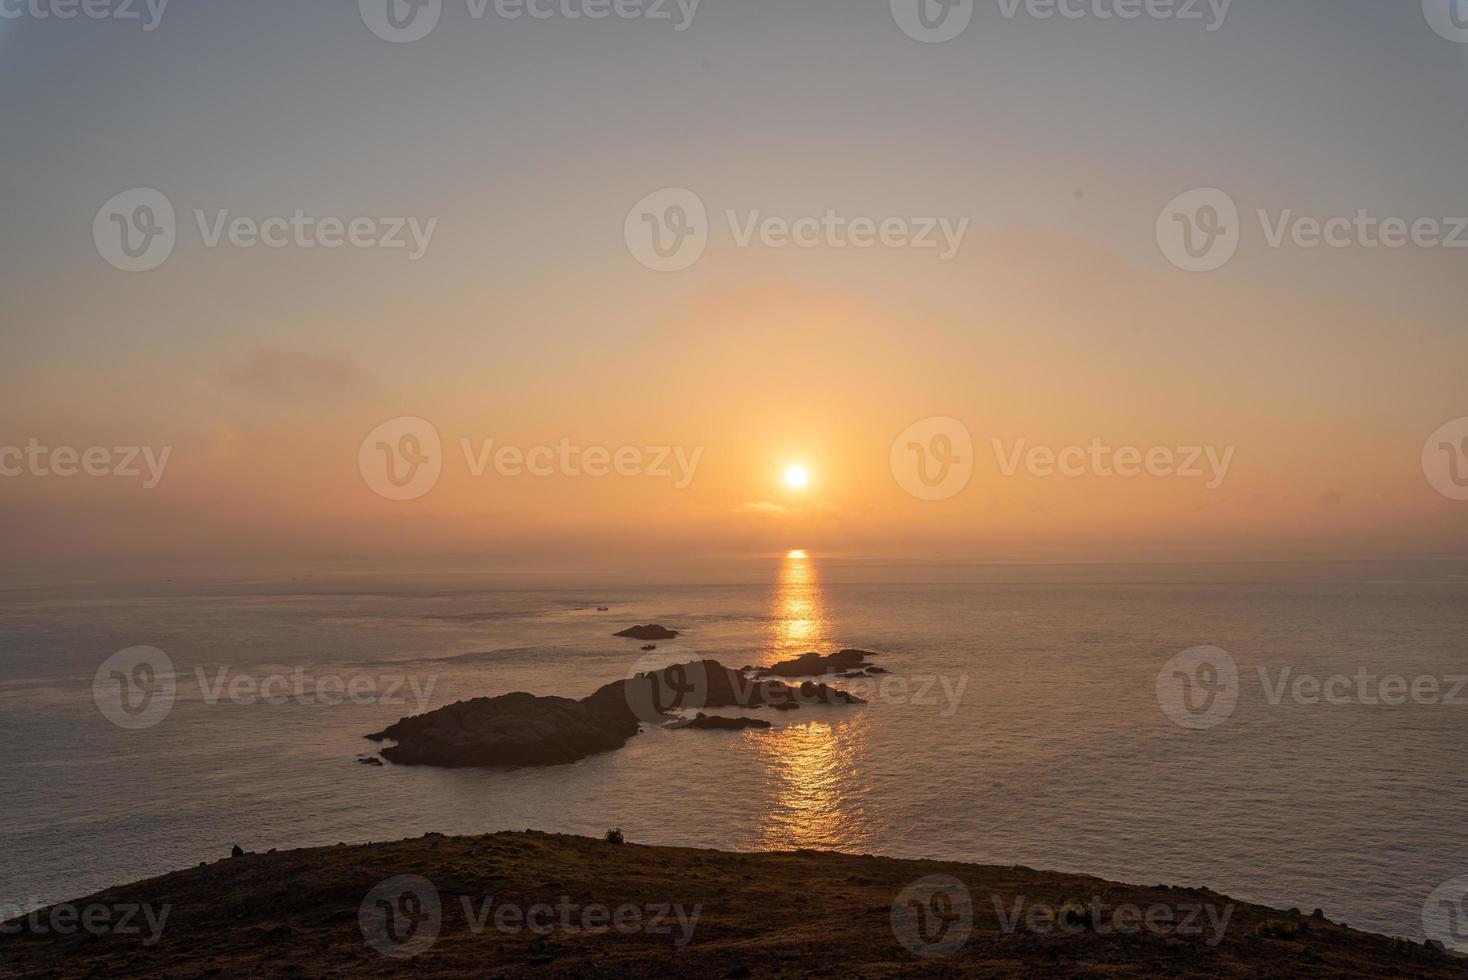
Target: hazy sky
[{"x": 528, "y": 318}]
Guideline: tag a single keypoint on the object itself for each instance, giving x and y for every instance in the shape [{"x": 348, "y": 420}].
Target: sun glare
[{"x": 796, "y": 476}]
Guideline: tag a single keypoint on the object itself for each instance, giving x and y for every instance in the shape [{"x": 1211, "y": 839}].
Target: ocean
[{"x": 1028, "y": 718}]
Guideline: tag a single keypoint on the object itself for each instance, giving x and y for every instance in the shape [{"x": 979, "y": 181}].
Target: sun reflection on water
[
  {"x": 815, "y": 775},
  {"x": 798, "y": 618},
  {"x": 814, "y": 768}
]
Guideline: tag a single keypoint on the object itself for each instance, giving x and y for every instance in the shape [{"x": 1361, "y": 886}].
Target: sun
[{"x": 796, "y": 476}]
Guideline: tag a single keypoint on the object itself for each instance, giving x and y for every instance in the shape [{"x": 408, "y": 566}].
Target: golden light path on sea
[
  {"x": 811, "y": 765},
  {"x": 798, "y": 618}
]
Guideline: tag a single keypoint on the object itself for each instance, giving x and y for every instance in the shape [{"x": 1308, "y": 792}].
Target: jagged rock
[{"x": 814, "y": 664}]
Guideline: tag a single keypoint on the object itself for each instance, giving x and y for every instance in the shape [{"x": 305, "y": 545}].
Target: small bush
[{"x": 614, "y": 836}]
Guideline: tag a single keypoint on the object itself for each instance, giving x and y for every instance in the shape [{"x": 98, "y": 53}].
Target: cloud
[
  {"x": 772, "y": 509},
  {"x": 294, "y": 375}
]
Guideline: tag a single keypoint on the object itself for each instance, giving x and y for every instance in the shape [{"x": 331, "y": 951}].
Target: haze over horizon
[{"x": 529, "y": 317}]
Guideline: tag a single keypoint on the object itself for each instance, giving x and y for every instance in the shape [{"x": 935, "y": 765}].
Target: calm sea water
[{"x": 1021, "y": 723}]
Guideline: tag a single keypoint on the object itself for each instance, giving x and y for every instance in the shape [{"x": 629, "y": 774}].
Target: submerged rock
[{"x": 716, "y": 723}]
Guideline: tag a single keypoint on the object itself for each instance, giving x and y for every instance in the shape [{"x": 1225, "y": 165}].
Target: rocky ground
[{"x": 465, "y": 906}]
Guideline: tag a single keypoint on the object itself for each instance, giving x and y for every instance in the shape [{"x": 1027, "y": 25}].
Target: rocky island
[
  {"x": 652, "y": 631},
  {"x": 523, "y": 729}
]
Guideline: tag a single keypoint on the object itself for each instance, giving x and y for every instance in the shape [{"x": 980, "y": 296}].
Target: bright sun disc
[{"x": 796, "y": 476}]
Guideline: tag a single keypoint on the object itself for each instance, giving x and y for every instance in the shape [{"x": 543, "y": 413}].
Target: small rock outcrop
[
  {"x": 652, "y": 631},
  {"x": 716, "y": 723}
]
